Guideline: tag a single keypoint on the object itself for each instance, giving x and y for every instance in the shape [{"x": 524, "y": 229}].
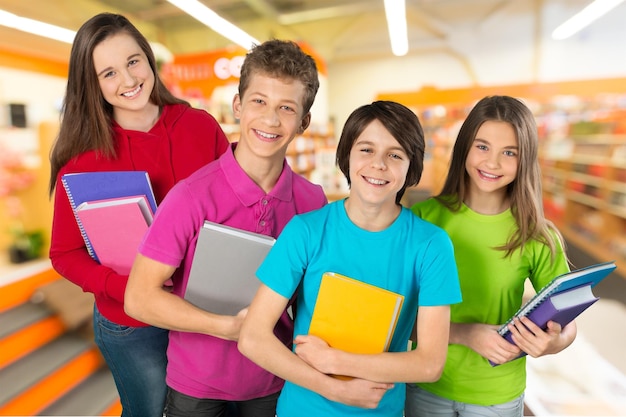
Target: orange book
[
  {"x": 115, "y": 228},
  {"x": 354, "y": 316}
]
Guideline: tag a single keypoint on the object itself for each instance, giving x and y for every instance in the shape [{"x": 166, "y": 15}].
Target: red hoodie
[{"x": 183, "y": 140}]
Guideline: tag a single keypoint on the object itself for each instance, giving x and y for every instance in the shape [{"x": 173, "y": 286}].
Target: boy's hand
[
  {"x": 315, "y": 352},
  {"x": 235, "y": 325},
  {"x": 360, "y": 393}
]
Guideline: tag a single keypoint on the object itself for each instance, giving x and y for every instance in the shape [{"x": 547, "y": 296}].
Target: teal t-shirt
[
  {"x": 492, "y": 288},
  {"x": 411, "y": 257}
]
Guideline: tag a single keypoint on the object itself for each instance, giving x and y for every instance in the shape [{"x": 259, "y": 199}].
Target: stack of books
[{"x": 113, "y": 210}]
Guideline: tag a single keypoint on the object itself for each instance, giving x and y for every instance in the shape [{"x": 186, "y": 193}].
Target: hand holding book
[{"x": 562, "y": 300}]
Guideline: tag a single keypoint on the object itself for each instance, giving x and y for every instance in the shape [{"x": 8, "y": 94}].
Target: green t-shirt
[{"x": 492, "y": 287}]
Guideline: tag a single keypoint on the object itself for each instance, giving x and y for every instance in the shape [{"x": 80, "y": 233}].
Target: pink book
[{"x": 115, "y": 228}]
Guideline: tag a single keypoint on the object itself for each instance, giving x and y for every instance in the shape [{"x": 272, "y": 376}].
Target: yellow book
[{"x": 355, "y": 316}]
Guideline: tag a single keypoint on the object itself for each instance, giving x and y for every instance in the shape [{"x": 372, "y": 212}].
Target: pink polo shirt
[{"x": 203, "y": 366}]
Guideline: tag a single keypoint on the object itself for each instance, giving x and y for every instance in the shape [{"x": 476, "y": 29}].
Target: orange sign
[{"x": 197, "y": 75}]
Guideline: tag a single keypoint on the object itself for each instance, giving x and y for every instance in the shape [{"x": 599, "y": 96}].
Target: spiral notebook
[
  {"x": 590, "y": 275},
  {"x": 562, "y": 300},
  {"x": 82, "y": 187}
]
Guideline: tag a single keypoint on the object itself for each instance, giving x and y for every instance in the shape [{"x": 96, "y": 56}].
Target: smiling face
[
  {"x": 270, "y": 114},
  {"x": 378, "y": 167},
  {"x": 124, "y": 74},
  {"x": 493, "y": 159}
]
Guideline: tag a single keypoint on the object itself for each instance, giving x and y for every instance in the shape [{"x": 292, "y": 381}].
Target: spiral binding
[{"x": 83, "y": 233}]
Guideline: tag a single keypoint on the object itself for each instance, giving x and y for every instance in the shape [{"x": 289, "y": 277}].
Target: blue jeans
[
  {"x": 421, "y": 403},
  {"x": 137, "y": 359},
  {"x": 181, "y": 405}
]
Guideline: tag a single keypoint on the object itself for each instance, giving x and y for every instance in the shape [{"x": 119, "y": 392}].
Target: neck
[
  {"x": 488, "y": 203},
  {"x": 373, "y": 218},
  {"x": 142, "y": 120},
  {"x": 263, "y": 171}
]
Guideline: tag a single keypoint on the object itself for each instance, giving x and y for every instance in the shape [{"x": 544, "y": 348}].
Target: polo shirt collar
[{"x": 248, "y": 192}]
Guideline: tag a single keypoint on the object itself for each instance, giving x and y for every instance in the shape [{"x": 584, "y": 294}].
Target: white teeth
[
  {"x": 266, "y": 135},
  {"x": 375, "y": 181},
  {"x": 132, "y": 93},
  {"x": 485, "y": 174}
]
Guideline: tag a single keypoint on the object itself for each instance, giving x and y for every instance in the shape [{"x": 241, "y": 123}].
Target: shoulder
[
  {"x": 429, "y": 205},
  {"x": 301, "y": 183},
  {"x": 175, "y": 113},
  {"x": 311, "y": 221},
  {"x": 422, "y": 227},
  {"x": 304, "y": 190},
  {"x": 433, "y": 210},
  {"x": 91, "y": 161},
  {"x": 204, "y": 176}
]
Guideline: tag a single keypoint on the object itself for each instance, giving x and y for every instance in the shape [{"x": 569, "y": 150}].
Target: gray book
[{"x": 223, "y": 278}]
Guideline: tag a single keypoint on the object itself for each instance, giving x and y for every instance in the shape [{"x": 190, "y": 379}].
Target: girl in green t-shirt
[{"x": 491, "y": 207}]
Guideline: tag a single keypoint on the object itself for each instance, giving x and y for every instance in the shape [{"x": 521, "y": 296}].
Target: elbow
[
  {"x": 131, "y": 306},
  {"x": 248, "y": 345},
  {"x": 432, "y": 371},
  {"x": 244, "y": 344}
]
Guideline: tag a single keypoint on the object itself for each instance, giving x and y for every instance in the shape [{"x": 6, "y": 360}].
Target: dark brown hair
[
  {"x": 403, "y": 125},
  {"x": 86, "y": 117}
]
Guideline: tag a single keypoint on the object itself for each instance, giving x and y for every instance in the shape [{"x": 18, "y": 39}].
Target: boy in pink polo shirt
[{"x": 250, "y": 187}]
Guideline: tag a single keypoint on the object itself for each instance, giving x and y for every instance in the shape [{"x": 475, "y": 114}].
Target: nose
[
  {"x": 378, "y": 161},
  {"x": 271, "y": 117},
  {"x": 493, "y": 159},
  {"x": 128, "y": 78}
]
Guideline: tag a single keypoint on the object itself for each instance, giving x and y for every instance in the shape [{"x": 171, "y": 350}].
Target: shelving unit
[{"x": 585, "y": 192}]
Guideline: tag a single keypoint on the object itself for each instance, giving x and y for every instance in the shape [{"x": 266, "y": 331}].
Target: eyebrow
[
  {"x": 369, "y": 142},
  {"x": 110, "y": 68},
  {"x": 489, "y": 143},
  {"x": 263, "y": 95}
]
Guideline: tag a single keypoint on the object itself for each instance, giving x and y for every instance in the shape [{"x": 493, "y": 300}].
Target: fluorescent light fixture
[
  {"x": 584, "y": 18},
  {"x": 395, "y": 10},
  {"x": 208, "y": 17},
  {"x": 35, "y": 27}
]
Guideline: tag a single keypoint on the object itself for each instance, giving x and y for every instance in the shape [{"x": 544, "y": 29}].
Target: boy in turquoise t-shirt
[{"x": 370, "y": 237}]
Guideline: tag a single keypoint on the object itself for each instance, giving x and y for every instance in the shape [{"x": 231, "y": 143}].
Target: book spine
[{"x": 83, "y": 233}]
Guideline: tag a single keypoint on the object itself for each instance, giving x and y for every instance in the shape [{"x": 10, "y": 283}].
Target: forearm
[
  {"x": 268, "y": 352},
  {"x": 461, "y": 333},
  {"x": 81, "y": 269},
  {"x": 414, "y": 366},
  {"x": 147, "y": 300},
  {"x": 423, "y": 364},
  {"x": 161, "y": 308}
]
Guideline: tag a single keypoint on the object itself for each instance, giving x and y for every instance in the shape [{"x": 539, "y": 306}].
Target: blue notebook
[
  {"x": 543, "y": 307},
  {"x": 590, "y": 275},
  {"x": 91, "y": 186}
]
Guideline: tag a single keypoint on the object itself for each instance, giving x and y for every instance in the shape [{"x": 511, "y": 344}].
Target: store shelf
[{"x": 585, "y": 193}]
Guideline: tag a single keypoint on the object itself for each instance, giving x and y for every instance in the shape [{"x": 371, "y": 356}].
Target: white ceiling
[{"x": 338, "y": 30}]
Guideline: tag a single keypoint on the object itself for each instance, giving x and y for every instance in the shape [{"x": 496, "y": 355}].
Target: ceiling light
[
  {"x": 35, "y": 27},
  {"x": 583, "y": 18},
  {"x": 208, "y": 17},
  {"x": 395, "y": 10}
]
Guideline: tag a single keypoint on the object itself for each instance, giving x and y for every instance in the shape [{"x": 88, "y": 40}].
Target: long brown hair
[
  {"x": 525, "y": 191},
  {"x": 86, "y": 117}
]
